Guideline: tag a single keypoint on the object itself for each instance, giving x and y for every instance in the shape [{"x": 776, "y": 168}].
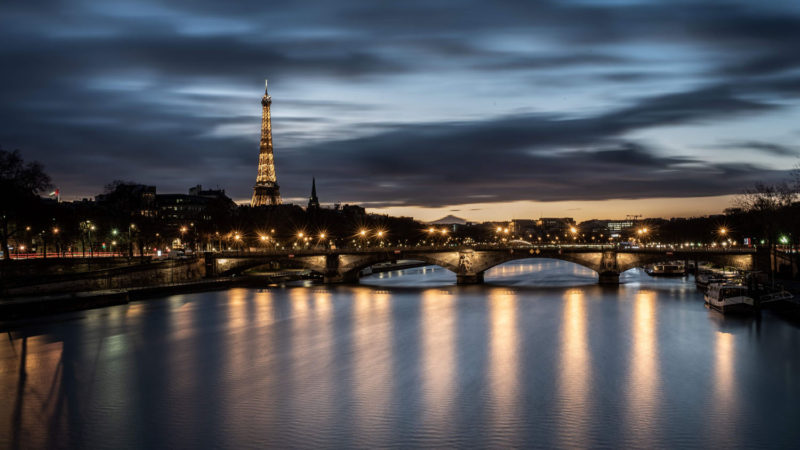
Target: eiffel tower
[{"x": 266, "y": 191}]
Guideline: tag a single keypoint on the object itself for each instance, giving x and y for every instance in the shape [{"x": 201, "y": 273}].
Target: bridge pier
[
  {"x": 609, "y": 278},
  {"x": 340, "y": 278},
  {"x": 469, "y": 279}
]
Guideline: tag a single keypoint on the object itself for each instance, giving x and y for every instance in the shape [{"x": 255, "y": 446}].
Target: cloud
[
  {"x": 419, "y": 103},
  {"x": 761, "y": 147}
]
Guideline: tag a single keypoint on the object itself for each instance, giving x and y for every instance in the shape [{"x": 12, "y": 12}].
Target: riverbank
[
  {"x": 12, "y": 309},
  {"x": 23, "y": 307}
]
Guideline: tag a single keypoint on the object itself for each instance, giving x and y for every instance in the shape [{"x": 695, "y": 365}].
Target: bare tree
[
  {"x": 770, "y": 207},
  {"x": 20, "y": 184}
]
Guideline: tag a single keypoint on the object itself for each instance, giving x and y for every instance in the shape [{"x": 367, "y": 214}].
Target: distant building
[
  {"x": 555, "y": 225},
  {"x": 605, "y": 226},
  {"x": 178, "y": 209},
  {"x": 137, "y": 199},
  {"x": 616, "y": 226},
  {"x": 524, "y": 228}
]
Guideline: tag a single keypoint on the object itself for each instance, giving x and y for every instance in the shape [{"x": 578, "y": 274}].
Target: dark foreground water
[{"x": 542, "y": 358}]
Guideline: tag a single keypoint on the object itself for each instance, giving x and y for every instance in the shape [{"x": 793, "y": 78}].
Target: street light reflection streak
[
  {"x": 644, "y": 382},
  {"x": 504, "y": 366},
  {"x": 324, "y": 391},
  {"x": 372, "y": 380},
  {"x": 265, "y": 308},
  {"x": 574, "y": 378},
  {"x": 725, "y": 410},
  {"x": 438, "y": 355}
]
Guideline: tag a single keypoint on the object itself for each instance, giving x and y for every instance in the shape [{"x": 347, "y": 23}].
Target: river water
[{"x": 540, "y": 356}]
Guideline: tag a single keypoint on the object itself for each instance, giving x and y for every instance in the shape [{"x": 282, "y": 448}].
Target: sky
[{"x": 485, "y": 110}]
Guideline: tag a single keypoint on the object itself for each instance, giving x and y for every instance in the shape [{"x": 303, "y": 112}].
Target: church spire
[{"x": 313, "y": 201}]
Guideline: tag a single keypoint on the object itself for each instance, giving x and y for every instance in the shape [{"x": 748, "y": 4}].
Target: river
[{"x": 539, "y": 356}]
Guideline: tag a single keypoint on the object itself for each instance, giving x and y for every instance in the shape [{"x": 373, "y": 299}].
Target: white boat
[
  {"x": 729, "y": 298},
  {"x": 704, "y": 279}
]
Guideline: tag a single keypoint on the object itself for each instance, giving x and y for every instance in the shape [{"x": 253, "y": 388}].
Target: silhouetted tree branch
[{"x": 20, "y": 184}]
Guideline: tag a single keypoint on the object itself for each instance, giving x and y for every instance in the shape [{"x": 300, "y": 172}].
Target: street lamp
[
  {"x": 363, "y": 234},
  {"x": 131, "y": 227},
  {"x": 236, "y": 241}
]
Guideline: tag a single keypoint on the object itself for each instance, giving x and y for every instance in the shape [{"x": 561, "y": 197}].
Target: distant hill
[{"x": 449, "y": 220}]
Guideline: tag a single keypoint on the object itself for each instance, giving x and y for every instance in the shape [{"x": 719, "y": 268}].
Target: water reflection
[
  {"x": 438, "y": 359},
  {"x": 504, "y": 366},
  {"x": 575, "y": 372},
  {"x": 724, "y": 415},
  {"x": 643, "y": 384},
  {"x": 372, "y": 380},
  {"x": 355, "y": 366}
]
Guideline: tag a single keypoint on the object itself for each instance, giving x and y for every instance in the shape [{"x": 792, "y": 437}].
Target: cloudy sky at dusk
[{"x": 582, "y": 108}]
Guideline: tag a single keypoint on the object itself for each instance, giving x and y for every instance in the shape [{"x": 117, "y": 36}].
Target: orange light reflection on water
[
  {"x": 504, "y": 362},
  {"x": 575, "y": 372},
  {"x": 644, "y": 381},
  {"x": 438, "y": 354},
  {"x": 372, "y": 352}
]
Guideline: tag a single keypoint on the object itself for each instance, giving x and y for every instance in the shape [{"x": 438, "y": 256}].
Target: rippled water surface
[{"x": 540, "y": 356}]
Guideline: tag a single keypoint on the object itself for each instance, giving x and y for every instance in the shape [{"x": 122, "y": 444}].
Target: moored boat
[
  {"x": 666, "y": 270},
  {"x": 729, "y": 298}
]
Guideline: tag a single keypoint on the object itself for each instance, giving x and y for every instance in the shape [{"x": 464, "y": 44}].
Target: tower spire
[
  {"x": 266, "y": 191},
  {"x": 313, "y": 201}
]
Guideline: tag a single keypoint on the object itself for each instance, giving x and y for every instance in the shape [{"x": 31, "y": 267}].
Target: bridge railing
[{"x": 677, "y": 252}]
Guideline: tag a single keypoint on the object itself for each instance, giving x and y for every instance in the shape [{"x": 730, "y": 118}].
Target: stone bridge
[{"x": 470, "y": 264}]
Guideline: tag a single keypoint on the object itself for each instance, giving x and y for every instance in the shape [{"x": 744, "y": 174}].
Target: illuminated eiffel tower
[{"x": 266, "y": 191}]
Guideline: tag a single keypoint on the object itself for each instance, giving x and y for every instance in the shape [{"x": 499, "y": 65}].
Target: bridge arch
[
  {"x": 627, "y": 261},
  {"x": 588, "y": 263},
  {"x": 236, "y": 265},
  {"x": 351, "y": 265}
]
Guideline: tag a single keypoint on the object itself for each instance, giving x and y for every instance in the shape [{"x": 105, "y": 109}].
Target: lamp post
[
  {"x": 56, "y": 242},
  {"x": 131, "y": 227},
  {"x": 183, "y": 237}
]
